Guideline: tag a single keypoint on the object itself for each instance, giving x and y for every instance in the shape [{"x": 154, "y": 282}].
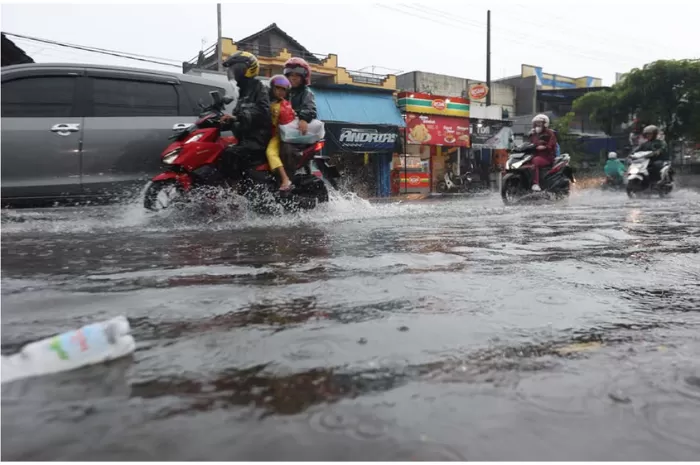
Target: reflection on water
[{"x": 412, "y": 331}]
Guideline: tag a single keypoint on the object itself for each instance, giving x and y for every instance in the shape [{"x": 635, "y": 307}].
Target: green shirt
[
  {"x": 614, "y": 168},
  {"x": 656, "y": 145}
]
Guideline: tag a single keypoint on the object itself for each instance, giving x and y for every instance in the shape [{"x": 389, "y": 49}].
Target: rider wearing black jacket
[
  {"x": 251, "y": 122},
  {"x": 660, "y": 149},
  {"x": 303, "y": 101},
  {"x": 298, "y": 71}
]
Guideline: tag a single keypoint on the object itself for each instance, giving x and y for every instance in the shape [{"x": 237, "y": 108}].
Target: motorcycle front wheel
[
  {"x": 511, "y": 189},
  {"x": 162, "y": 195},
  {"x": 634, "y": 187}
]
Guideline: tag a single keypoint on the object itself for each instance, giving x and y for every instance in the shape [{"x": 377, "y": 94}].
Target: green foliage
[
  {"x": 568, "y": 143},
  {"x": 561, "y": 125},
  {"x": 604, "y": 109},
  {"x": 665, "y": 93}
]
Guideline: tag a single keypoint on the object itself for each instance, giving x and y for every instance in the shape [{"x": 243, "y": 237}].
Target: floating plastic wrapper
[{"x": 89, "y": 345}]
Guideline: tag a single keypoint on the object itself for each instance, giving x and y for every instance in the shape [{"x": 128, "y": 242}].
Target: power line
[
  {"x": 446, "y": 15},
  {"x": 49, "y": 52},
  {"x": 608, "y": 32},
  {"x": 568, "y": 49},
  {"x": 458, "y": 19},
  {"x": 94, "y": 50},
  {"x": 100, "y": 49}
]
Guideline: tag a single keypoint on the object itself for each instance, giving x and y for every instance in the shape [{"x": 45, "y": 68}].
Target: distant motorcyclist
[
  {"x": 660, "y": 149},
  {"x": 251, "y": 122},
  {"x": 546, "y": 142},
  {"x": 557, "y": 149},
  {"x": 614, "y": 168}
]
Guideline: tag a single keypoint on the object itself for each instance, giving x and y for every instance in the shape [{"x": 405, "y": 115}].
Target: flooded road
[{"x": 450, "y": 330}]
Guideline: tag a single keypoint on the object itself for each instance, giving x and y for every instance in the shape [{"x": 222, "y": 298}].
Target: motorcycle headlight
[
  {"x": 170, "y": 157},
  {"x": 194, "y": 138}
]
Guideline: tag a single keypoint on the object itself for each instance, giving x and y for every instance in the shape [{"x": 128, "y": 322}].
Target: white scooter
[{"x": 638, "y": 180}]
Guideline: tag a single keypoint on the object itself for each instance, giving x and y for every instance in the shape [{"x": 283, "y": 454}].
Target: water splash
[{"x": 228, "y": 214}]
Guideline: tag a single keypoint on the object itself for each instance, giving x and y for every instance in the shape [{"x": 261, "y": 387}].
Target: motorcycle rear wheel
[{"x": 163, "y": 195}]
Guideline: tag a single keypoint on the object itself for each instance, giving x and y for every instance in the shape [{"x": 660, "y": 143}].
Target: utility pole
[
  {"x": 488, "y": 57},
  {"x": 219, "y": 52}
]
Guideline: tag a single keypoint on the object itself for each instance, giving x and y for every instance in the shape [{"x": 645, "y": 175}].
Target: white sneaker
[{"x": 536, "y": 188}]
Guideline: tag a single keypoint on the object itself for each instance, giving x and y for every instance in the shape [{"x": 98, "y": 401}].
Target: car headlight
[
  {"x": 194, "y": 138},
  {"x": 170, "y": 157}
]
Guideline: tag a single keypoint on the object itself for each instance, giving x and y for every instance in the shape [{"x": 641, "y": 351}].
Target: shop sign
[
  {"x": 402, "y": 181},
  {"x": 491, "y": 134},
  {"x": 415, "y": 102},
  {"x": 412, "y": 180},
  {"x": 437, "y": 130},
  {"x": 478, "y": 91},
  {"x": 439, "y": 105},
  {"x": 359, "y": 138}
]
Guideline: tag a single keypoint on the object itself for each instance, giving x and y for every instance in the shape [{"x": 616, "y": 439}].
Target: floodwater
[{"x": 433, "y": 330}]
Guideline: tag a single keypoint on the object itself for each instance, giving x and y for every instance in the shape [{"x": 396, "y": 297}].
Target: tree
[
  {"x": 665, "y": 93},
  {"x": 568, "y": 143},
  {"x": 603, "y": 108}
]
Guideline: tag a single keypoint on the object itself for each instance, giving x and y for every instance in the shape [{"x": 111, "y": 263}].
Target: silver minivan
[{"x": 82, "y": 132}]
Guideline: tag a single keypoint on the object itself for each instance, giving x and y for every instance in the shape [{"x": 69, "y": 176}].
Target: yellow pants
[{"x": 273, "y": 153}]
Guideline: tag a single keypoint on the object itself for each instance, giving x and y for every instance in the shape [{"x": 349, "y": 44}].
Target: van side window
[
  {"x": 200, "y": 92},
  {"x": 38, "y": 97},
  {"x": 121, "y": 97}
]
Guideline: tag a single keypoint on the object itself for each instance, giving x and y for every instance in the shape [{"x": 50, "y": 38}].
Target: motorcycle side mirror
[{"x": 216, "y": 98}]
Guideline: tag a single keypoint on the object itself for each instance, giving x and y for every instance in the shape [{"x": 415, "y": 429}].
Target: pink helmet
[
  {"x": 296, "y": 65},
  {"x": 280, "y": 81}
]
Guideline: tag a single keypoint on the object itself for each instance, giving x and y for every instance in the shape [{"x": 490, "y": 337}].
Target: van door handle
[
  {"x": 181, "y": 126},
  {"x": 64, "y": 129}
]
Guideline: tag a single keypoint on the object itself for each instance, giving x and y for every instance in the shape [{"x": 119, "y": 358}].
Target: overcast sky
[{"x": 593, "y": 38}]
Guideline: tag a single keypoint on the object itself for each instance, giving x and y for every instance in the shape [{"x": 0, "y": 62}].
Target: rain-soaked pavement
[{"x": 447, "y": 330}]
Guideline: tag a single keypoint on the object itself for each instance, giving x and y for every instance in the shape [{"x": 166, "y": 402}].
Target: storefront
[
  {"x": 491, "y": 141},
  {"x": 437, "y": 137},
  {"x": 362, "y": 134}
]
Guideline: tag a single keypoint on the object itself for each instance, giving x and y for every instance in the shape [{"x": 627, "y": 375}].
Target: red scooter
[
  {"x": 192, "y": 163},
  {"x": 517, "y": 178}
]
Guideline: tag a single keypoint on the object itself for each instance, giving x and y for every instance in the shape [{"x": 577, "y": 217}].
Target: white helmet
[
  {"x": 541, "y": 118},
  {"x": 651, "y": 129},
  {"x": 612, "y": 156}
]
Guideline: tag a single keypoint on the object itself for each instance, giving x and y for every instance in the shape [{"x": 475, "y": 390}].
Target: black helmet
[{"x": 241, "y": 65}]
